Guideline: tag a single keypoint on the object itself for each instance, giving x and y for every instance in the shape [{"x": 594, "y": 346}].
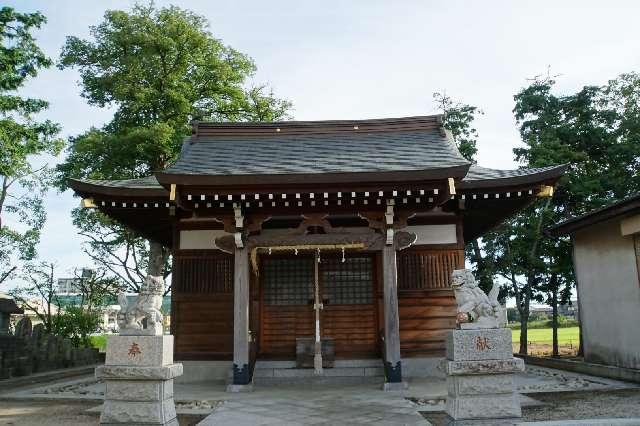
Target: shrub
[{"x": 77, "y": 324}]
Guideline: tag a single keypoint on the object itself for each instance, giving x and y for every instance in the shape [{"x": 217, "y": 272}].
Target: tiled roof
[
  {"x": 478, "y": 177},
  {"x": 482, "y": 173},
  {"x": 318, "y": 153},
  {"x": 145, "y": 186},
  {"x": 148, "y": 182}
]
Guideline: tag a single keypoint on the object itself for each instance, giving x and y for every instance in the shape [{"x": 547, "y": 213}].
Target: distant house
[
  {"x": 570, "y": 310},
  {"x": 606, "y": 256},
  {"x": 70, "y": 286}
]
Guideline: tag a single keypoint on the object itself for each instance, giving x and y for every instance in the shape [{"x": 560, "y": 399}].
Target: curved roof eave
[
  {"x": 481, "y": 177},
  {"x": 141, "y": 187}
]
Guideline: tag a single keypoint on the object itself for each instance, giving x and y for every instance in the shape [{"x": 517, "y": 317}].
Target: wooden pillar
[
  {"x": 241, "y": 364},
  {"x": 392, "y": 364}
]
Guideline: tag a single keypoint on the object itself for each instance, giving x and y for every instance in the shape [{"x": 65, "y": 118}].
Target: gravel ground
[
  {"x": 41, "y": 413},
  {"x": 622, "y": 403}
]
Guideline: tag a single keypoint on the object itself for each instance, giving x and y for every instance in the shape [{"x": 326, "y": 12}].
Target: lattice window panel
[
  {"x": 288, "y": 281},
  {"x": 347, "y": 283},
  {"x": 427, "y": 269},
  {"x": 203, "y": 273}
]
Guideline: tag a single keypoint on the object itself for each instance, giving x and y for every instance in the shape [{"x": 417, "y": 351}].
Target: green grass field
[
  {"x": 566, "y": 336},
  {"x": 99, "y": 341}
]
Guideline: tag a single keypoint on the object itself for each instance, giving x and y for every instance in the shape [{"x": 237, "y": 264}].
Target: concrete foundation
[
  {"x": 372, "y": 372},
  {"x": 205, "y": 371}
]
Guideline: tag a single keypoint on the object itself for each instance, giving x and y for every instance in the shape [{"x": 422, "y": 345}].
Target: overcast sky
[{"x": 367, "y": 59}]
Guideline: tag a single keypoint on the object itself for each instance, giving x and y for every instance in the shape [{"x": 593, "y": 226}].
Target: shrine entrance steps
[{"x": 344, "y": 372}]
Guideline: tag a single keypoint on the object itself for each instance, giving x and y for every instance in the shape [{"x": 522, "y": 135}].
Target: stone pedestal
[
  {"x": 139, "y": 373},
  {"x": 480, "y": 371}
]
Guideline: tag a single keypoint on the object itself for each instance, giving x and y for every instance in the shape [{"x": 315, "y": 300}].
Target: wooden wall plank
[
  {"x": 202, "y": 305},
  {"x": 426, "y": 304}
]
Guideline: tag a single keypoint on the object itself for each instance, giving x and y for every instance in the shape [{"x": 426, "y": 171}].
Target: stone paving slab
[
  {"x": 351, "y": 405},
  {"x": 586, "y": 422},
  {"x": 301, "y": 404}
]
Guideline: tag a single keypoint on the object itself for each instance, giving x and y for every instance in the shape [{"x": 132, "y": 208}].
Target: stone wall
[{"x": 31, "y": 350}]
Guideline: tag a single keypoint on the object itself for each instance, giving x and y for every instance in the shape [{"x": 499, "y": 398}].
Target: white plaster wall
[
  {"x": 630, "y": 225},
  {"x": 609, "y": 294},
  {"x": 434, "y": 234},
  {"x": 202, "y": 239}
]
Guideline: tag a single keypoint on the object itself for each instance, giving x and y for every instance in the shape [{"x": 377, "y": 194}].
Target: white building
[
  {"x": 70, "y": 286},
  {"x": 606, "y": 258}
]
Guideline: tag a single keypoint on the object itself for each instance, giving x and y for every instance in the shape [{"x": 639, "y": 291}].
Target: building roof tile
[{"x": 318, "y": 154}]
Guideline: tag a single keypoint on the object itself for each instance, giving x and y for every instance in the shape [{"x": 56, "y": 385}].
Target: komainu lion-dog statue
[
  {"x": 476, "y": 310},
  {"x": 144, "y": 317}
]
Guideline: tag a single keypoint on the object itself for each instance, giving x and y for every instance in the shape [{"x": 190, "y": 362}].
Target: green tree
[
  {"x": 21, "y": 139},
  {"x": 514, "y": 252},
  {"x": 459, "y": 120},
  {"x": 38, "y": 293},
  {"x": 558, "y": 284},
  {"x": 73, "y": 316},
  {"x": 596, "y": 131},
  {"x": 160, "y": 69}
]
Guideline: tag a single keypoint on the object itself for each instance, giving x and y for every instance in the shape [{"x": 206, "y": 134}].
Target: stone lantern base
[
  {"x": 480, "y": 370},
  {"x": 138, "y": 374}
]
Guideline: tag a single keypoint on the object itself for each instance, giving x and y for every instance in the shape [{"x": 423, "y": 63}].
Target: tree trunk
[
  {"x": 581, "y": 344},
  {"x": 554, "y": 318},
  {"x": 156, "y": 259},
  {"x": 524, "y": 319}
]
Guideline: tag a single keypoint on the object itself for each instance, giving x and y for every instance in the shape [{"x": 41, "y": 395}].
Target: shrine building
[{"x": 345, "y": 231}]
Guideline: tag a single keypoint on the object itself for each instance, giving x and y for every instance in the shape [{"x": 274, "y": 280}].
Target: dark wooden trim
[
  {"x": 199, "y": 252},
  {"x": 460, "y": 233},
  {"x": 200, "y": 225},
  {"x": 203, "y": 356},
  {"x": 197, "y": 297},
  {"x": 376, "y": 258},
  {"x": 204, "y": 128},
  {"x": 433, "y": 219},
  {"x": 452, "y": 246},
  {"x": 305, "y": 187},
  {"x": 431, "y": 292}
]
